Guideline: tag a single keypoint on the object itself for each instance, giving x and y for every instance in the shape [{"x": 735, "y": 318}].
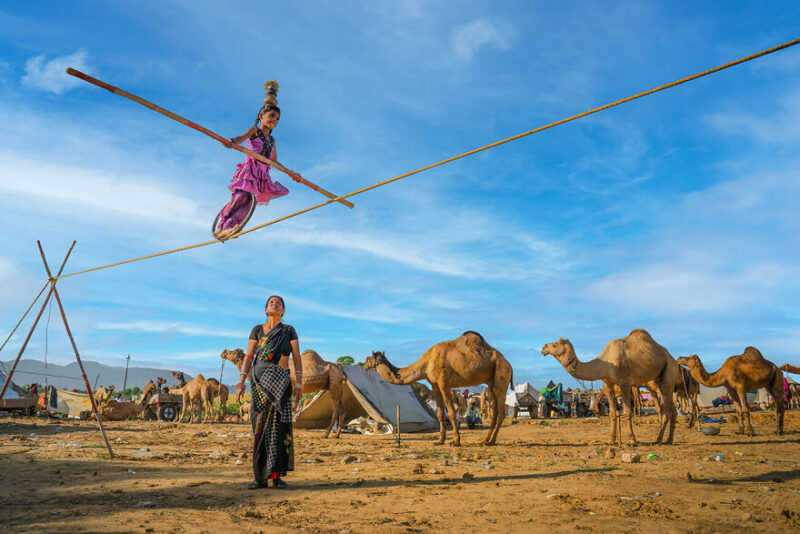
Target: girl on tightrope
[{"x": 252, "y": 177}]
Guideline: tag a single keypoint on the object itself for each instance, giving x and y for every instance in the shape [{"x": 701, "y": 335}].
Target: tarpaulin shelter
[
  {"x": 69, "y": 403},
  {"x": 707, "y": 395},
  {"x": 367, "y": 394},
  {"x": 524, "y": 394}
]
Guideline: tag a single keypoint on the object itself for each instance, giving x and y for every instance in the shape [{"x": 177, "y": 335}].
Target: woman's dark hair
[
  {"x": 276, "y": 296},
  {"x": 264, "y": 109}
]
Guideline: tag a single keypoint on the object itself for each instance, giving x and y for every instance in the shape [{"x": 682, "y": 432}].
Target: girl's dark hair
[
  {"x": 276, "y": 296},
  {"x": 264, "y": 109}
]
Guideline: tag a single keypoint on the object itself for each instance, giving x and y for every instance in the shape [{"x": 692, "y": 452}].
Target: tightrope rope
[{"x": 460, "y": 156}]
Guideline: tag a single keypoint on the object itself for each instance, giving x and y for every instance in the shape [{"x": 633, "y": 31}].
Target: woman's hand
[
  {"x": 239, "y": 391},
  {"x": 298, "y": 392}
]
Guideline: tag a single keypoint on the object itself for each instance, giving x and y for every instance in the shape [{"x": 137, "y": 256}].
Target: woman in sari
[{"x": 266, "y": 363}]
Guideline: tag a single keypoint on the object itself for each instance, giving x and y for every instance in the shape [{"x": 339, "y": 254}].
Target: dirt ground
[{"x": 55, "y": 476}]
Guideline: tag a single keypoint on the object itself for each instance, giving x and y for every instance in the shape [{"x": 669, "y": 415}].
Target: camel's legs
[
  {"x": 439, "y": 413},
  {"x": 452, "y": 412},
  {"x": 746, "y": 410},
  {"x": 499, "y": 411},
  {"x": 738, "y": 407},
  {"x": 628, "y": 412},
  {"x": 492, "y": 414},
  {"x": 696, "y": 410},
  {"x": 776, "y": 389},
  {"x": 612, "y": 414},
  {"x": 342, "y": 415},
  {"x": 670, "y": 414}
]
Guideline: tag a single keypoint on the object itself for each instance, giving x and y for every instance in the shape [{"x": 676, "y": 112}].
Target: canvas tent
[
  {"x": 15, "y": 398},
  {"x": 522, "y": 392},
  {"x": 707, "y": 395},
  {"x": 367, "y": 394},
  {"x": 69, "y": 403}
]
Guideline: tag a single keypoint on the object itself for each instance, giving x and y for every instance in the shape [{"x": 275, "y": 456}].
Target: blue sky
[{"x": 677, "y": 213}]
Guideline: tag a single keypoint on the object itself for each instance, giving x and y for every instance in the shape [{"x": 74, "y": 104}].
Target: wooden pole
[
  {"x": 201, "y": 129},
  {"x": 75, "y": 349},
  {"x": 398, "y": 425},
  {"x": 35, "y": 322}
]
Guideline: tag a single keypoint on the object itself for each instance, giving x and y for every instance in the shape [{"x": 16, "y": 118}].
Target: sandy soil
[{"x": 55, "y": 476}]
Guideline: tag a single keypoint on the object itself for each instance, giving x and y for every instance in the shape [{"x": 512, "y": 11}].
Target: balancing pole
[
  {"x": 35, "y": 321},
  {"x": 75, "y": 349},
  {"x": 201, "y": 129}
]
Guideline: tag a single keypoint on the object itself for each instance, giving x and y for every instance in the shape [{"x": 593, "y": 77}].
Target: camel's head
[
  {"x": 234, "y": 356},
  {"x": 110, "y": 389},
  {"x": 370, "y": 364},
  {"x": 559, "y": 348},
  {"x": 178, "y": 375},
  {"x": 160, "y": 381},
  {"x": 690, "y": 362}
]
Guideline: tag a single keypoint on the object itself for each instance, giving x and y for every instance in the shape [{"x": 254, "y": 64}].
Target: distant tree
[{"x": 346, "y": 360}]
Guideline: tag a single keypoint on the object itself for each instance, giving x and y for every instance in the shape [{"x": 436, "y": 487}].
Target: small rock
[
  {"x": 689, "y": 477},
  {"x": 631, "y": 457},
  {"x": 349, "y": 459},
  {"x": 318, "y": 460},
  {"x": 419, "y": 469},
  {"x": 487, "y": 467},
  {"x": 238, "y": 462},
  {"x": 467, "y": 476},
  {"x": 434, "y": 471},
  {"x": 142, "y": 453},
  {"x": 610, "y": 453},
  {"x": 242, "y": 455},
  {"x": 765, "y": 488},
  {"x": 415, "y": 456},
  {"x": 217, "y": 454},
  {"x": 131, "y": 472},
  {"x": 146, "y": 504}
]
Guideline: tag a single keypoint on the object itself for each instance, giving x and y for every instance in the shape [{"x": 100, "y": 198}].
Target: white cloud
[
  {"x": 169, "y": 327},
  {"x": 468, "y": 39},
  {"x": 73, "y": 187},
  {"x": 50, "y": 75},
  {"x": 779, "y": 128}
]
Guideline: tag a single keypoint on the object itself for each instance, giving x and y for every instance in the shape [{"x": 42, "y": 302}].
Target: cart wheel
[
  {"x": 167, "y": 412},
  {"x": 243, "y": 223}
]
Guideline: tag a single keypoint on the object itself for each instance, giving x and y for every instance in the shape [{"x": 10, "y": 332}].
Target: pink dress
[{"x": 253, "y": 177}]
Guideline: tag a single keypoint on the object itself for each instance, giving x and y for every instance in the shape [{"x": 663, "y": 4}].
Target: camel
[
  {"x": 180, "y": 377},
  {"x": 221, "y": 391},
  {"x": 420, "y": 389},
  {"x": 119, "y": 411},
  {"x": 317, "y": 375},
  {"x": 486, "y": 403},
  {"x": 196, "y": 396},
  {"x": 244, "y": 410},
  {"x": 462, "y": 362},
  {"x": 686, "y": 394},
  {"x": 739, "y": 374},
  {"x": 789, "y": 368},
  {"x": 626, "y": 362},
  {"x": 102, "y": 395}
]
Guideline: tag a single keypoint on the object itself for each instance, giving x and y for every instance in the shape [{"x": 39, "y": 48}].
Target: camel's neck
[
  {"x": 592, "y": 370},
  {"x": 406, "y": 375},
  {"x": 700, "y": 374}
]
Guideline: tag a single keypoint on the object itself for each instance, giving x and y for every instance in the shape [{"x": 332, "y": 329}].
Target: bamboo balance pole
[{"x": 201, "y": 129}]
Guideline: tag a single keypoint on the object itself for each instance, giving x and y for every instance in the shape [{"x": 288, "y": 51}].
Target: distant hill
[{"x": 108, "y": 375}]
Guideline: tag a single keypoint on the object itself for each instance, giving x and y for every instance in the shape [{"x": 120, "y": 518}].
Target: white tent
[
  {"x": 15, "y": 397},
  {"x": 520, "y": 391},
  {"x": 367, "y": 394},
  {"x": 70, "y": 404}
]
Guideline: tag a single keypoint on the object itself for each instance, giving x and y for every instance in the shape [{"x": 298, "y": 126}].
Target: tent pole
[
  {"x": 75, "y": 349},
  {"x": 398, "y": 425},
  {"x": 36, "y": 321}
]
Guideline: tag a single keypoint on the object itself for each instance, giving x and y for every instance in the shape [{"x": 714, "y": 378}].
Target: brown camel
[
  {"x": 631, "y": 361},
  {"x": 686, "y": 394},
  {"x": 317, "y": 375},
  {"x": 466, "y": 361},
  {"x": 244, "y": 410},
  {"x": 180, "y": 377},
  {"x": 740, "y": 374},
  {"x": 102, "y": 395},
  {"x": 420, "y": 389},
  {"x": 788, "y": 368},
  {"x": 794, "y": 388},
  {"x": 221, "y": 391},
  {"x": 486, "y": 403},
  {"x": 197, "y": 397},
  {"x": 120, "y": 411}
]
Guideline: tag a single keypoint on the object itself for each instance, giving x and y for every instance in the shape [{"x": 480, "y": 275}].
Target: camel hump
[
  {"x": 752, "y": 352},
  {"x": 640, "y": 332},
  {"x": 471, "y": 338}
]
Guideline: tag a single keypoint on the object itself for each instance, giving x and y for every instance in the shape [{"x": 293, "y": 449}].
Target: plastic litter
[
  {"x": 718, "y": 458},
  {"x": 653, "y": 456},
  {"x": 708, "y": 419}
]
